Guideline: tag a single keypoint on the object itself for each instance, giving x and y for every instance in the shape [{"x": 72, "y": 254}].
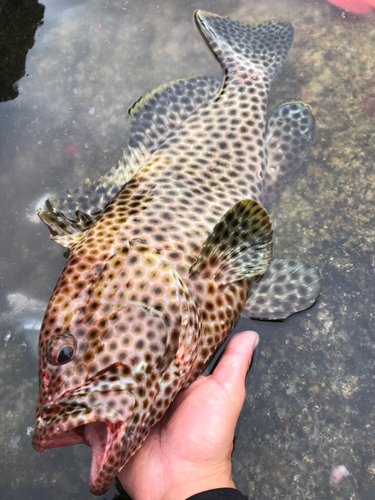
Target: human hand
[{"x": 189, "y": 450}]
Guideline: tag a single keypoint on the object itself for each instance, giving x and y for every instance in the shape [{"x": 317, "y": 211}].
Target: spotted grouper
[{"x": 169, "y": 248}]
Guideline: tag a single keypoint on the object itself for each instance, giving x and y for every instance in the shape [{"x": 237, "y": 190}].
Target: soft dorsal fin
[
  {"x": 152, "y": 119},
  {"x": 288, "y": 287},
  {"x": 290, "y": 134},
  {"x": 156, "y": 115},
  {"x": 240, "y": 245}
]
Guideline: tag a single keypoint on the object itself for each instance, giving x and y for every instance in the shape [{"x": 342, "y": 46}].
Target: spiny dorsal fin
[
  {"x": 93, "y": 196},
  {"x": 288, "y": 287},
  {"x": 290, "y": 134},
  {"x": 58, "y": 223},
  {"x": 240, "y": 245},
  {"x": 64, "y": 231},
  {"x": 152, "y": 119},
  {"x": 67, "y": 241}
]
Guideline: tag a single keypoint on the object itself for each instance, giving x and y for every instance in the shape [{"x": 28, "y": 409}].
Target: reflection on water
[{"x": 310, "y": 399}]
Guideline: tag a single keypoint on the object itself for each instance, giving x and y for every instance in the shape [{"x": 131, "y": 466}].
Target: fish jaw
[
  {"x": 106, "y": 444},
  {"x": 75, "y": 420}
]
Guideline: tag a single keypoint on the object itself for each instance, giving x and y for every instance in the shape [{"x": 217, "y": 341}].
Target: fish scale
[{"x": 166, "y": 247}]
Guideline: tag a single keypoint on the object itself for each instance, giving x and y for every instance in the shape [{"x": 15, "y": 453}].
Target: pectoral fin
[
  {"x": 240, "y": 245},
  {"x": 288, "y": 287}
]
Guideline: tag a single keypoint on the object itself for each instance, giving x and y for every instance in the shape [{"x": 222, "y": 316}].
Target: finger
[{"x": 235, "y": 361}]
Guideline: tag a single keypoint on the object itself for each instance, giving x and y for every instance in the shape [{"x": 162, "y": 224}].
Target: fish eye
[
  {"x": 61, "y": 348},
  {"x": 65, "y": 354}
]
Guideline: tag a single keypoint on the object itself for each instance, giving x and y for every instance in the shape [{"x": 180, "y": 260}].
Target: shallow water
[{"x": 310, "y": 394}]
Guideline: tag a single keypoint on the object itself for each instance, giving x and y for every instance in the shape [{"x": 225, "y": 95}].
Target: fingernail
[
  {"x": 255, "y": 355},
  {"x": 256, "y": 341}
]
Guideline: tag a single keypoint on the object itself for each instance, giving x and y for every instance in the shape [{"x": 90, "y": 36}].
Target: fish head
[{"x": 101, "y": 372}]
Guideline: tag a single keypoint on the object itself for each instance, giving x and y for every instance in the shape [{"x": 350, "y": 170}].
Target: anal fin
[
  {"x": 290, "y": 134},
  {"x": 288, "y": 287}
]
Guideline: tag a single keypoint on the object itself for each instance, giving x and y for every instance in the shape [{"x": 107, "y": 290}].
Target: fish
[{"x": 169, "y": 248}]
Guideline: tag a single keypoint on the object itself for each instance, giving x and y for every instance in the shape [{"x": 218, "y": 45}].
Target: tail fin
[{"x": 262, "y": 48}]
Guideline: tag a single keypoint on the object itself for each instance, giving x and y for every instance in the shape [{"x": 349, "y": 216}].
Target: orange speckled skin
[{"x": 140, "y": 327}]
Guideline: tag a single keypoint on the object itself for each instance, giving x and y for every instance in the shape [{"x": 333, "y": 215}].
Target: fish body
[{"x": 167, "y": 247}]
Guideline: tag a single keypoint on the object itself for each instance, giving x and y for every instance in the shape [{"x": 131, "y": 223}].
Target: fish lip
[
  {"x": 68, "y": 437},
  {"x": 53, "y": 433}
]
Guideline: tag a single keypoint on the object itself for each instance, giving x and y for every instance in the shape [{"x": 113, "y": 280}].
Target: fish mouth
[
  {"x": 75, "y": 420},
  {"x": 101, "y": 436}
]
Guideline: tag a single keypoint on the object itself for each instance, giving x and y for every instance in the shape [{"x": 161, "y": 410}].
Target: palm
[{"x": 195, "y": 434}]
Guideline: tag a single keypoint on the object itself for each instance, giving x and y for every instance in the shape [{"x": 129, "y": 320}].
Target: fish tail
[{"x": 260, "y": 48}]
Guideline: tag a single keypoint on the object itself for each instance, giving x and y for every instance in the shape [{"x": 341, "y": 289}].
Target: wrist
[{"x": 190, "y": 483}]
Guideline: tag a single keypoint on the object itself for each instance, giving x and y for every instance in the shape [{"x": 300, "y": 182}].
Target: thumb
[{"x": 234, "y": 364}]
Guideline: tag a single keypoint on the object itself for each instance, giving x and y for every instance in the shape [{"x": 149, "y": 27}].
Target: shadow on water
[
  {"x": 310, "y": 393},
  {"x": 19, "y": 21}
]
